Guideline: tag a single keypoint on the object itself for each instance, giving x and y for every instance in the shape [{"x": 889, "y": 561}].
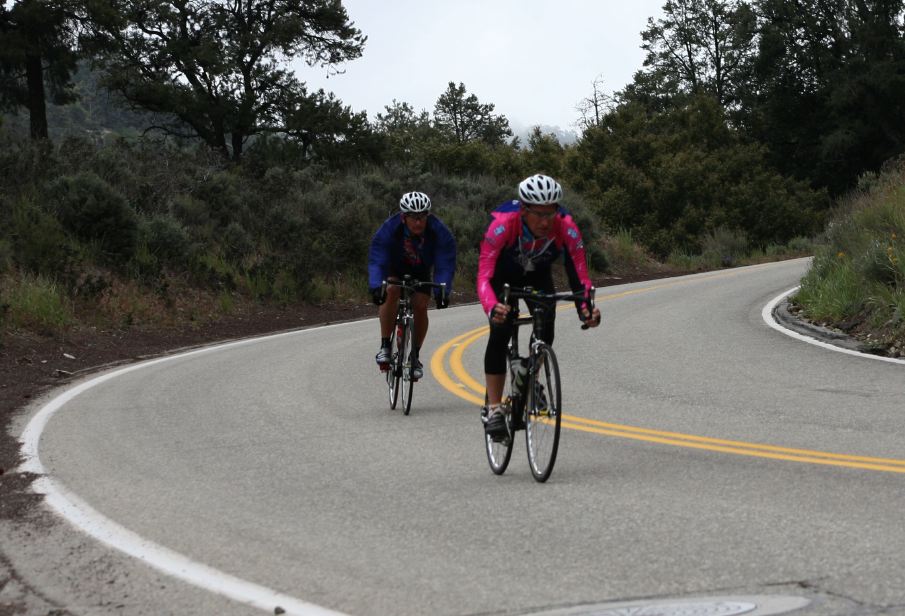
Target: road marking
[
  {"x": 83, "y": 516},
  {"x": 468, "y": 388},
  {"x": 767, "y": 314}
]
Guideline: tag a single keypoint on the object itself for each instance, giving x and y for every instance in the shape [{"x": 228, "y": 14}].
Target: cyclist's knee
[{"x": 420, "y": 302}]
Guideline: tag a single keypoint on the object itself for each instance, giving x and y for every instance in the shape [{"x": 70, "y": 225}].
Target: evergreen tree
[
  {"x": 221, "y": 67},
  {"x": 466, "y": 119},
  {"x": 699, "y": 46},
  {"x": 830, "y": 102},
  {"x": 37, "y": 58}
]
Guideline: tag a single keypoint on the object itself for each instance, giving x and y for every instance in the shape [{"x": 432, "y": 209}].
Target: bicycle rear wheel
[
  {"x": 405, "y": 348},
  {"x": 543, "y": 413},
  {"x": 394, "y": 374}
]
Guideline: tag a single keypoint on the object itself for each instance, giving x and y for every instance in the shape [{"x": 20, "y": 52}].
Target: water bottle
[{"x": 519, "y": 373}]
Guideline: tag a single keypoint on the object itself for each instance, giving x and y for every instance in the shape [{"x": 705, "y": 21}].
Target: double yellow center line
[{"x": 462, "y": 384}]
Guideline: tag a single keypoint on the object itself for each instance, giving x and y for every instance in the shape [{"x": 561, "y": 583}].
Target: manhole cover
[{"x": 719, "y": 606}]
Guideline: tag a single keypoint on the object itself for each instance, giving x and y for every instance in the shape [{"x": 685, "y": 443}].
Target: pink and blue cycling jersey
[{"x": 510, "y": 253}]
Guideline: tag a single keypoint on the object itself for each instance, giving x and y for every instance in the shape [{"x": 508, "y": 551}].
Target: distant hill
[
  {"x": 97, "y": 112},
  {"x": 563, "y": 135}
]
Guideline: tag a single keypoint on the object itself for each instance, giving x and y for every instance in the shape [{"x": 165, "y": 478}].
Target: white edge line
[
  {"x": 767, "y": 314},
  {"x": 84, "y": 517}
]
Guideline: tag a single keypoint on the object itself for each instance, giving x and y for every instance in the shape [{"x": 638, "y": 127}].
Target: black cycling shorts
[
  {"x": 495, "y": 360},
  {"x": 421, "y": 273}
]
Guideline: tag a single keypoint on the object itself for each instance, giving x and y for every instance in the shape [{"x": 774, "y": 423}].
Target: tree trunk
[
  {"x": 37, "y": 106},
  {"x": 238, "y": 141}
]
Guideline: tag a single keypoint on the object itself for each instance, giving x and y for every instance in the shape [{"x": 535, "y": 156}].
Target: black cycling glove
[
  {"x": 442, "y": 300},
  {"x": 378, "y": 295}
]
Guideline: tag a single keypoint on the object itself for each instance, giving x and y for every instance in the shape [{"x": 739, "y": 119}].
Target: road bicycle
[
  {"x": 532, "y": 392},
  {"x": 399, "y": 370}
]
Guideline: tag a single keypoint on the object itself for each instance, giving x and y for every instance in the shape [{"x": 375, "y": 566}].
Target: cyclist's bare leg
[
  {"x": 495, "y": 384},
  {"x": 419, "y": 308},
  {"x": 387, "y": 311}
]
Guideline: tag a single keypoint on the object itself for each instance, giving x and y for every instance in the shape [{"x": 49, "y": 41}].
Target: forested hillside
[{"x": 159, "y": 160}]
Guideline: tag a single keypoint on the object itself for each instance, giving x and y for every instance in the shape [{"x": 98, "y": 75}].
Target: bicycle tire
[
  {"x": 543, "y": 413},
  {"x": 394, "y": 374},
  {"x": 499, "y": 452},
  {"x": 408, "y": 383}
]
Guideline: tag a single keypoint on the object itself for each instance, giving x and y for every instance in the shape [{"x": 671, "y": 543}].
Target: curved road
[{"x": 706, "y": 455}]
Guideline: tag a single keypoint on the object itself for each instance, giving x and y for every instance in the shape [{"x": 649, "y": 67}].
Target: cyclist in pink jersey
[{"x": 525, "y": 237}]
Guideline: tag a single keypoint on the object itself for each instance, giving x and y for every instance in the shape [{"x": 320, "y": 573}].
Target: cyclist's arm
[
  {"x": 445, "y": 259},
  {"x": 492, "y": 246},
  {"x": 576, "y": 260},
  {"x": 379, "y": 255}
]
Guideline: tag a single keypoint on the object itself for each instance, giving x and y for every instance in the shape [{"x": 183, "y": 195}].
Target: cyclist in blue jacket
[{"x": 411, "y": 242}]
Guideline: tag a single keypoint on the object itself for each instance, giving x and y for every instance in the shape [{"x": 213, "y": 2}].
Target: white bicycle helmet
[
  {"x": 539, "y": 190},
  {"x": 414, "y": 203}
]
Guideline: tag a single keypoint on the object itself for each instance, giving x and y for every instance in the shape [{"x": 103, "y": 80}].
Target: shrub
[
  {"x": 801, "y": 245},
  {"x": 190, "y": 211},
  {"x": 724, "y": 247},
  {"x": 831, "y": 290},
  {"x": 223, "y": 193},
  {"x": 597, "y": 259},
  {"x": 40, "y": 245},
  {"x": 623, "y": 253},
  {"x": 166, "y": 240},
  {"x": 94, "y": 212},
  {"x": 35, "y": 303},
  {"x": 6, "y": 256},
  {"x": 237, "y": 242},
  {"x": 683, "y": 261}
]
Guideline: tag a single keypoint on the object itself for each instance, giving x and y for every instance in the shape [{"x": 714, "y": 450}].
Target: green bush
[
  {"x": 35, "y": 303},
  {"x": 597, "y": 259},
  {"x": 685, "y": 262},
  {"x": 226, "y": 198},
  {"x": 237, "y": 242},
  {"x": 96, "y": 213},
  {"x": 624, "y": 253},
  {"x": 801, "y": 245},
  {"x": 832, "y": 290},
  {"x": 40, "y": 245},
  {"x": 723, "y": 247},
  {"x": 6, "y": 256},
  {"x": 166, "y": 240},
  {"x": 190, "y": 211}
]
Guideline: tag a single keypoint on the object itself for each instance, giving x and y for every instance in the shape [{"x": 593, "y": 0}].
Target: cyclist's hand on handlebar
[
  {"x": 590, "y": 319},
  {"x": 442, "y": 300},
  {"x": 378, "y": 295},
  {"x": 499, "y": 313}
]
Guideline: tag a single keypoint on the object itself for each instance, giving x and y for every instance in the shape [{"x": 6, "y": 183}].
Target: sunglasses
[
  {"x": 419, "y": 216},
  {"x": 540, "y": 214}
]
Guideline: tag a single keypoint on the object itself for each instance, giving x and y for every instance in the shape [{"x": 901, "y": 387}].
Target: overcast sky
[{"x": 533, "y": 59}]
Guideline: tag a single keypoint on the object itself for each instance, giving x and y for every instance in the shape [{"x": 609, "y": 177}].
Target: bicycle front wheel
[
  {"x": 499, "y": 451},
  {"x": 394, "y": 374},
  {"x": 405, "y": 349},
  {"x": 543, "y": 413}
]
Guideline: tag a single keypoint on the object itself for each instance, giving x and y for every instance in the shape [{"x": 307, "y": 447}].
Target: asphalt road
[{"x": 707, "y": 455}]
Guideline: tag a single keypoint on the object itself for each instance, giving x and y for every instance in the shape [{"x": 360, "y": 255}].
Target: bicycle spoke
[{"x": 543, "y": 414}]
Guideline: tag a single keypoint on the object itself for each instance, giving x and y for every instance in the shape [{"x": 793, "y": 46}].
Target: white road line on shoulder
[
  {"x": 84, "y": 517},
  {"x": 767, "y": 314}
]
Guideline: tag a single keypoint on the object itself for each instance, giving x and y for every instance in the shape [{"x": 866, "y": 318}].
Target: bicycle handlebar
[
  {"x": 412, "y": 285},
  {"x": 531, "y": 294}
]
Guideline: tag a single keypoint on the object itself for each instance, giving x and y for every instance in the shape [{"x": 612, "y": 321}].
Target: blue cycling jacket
[{"x": 393, "y": 250}]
